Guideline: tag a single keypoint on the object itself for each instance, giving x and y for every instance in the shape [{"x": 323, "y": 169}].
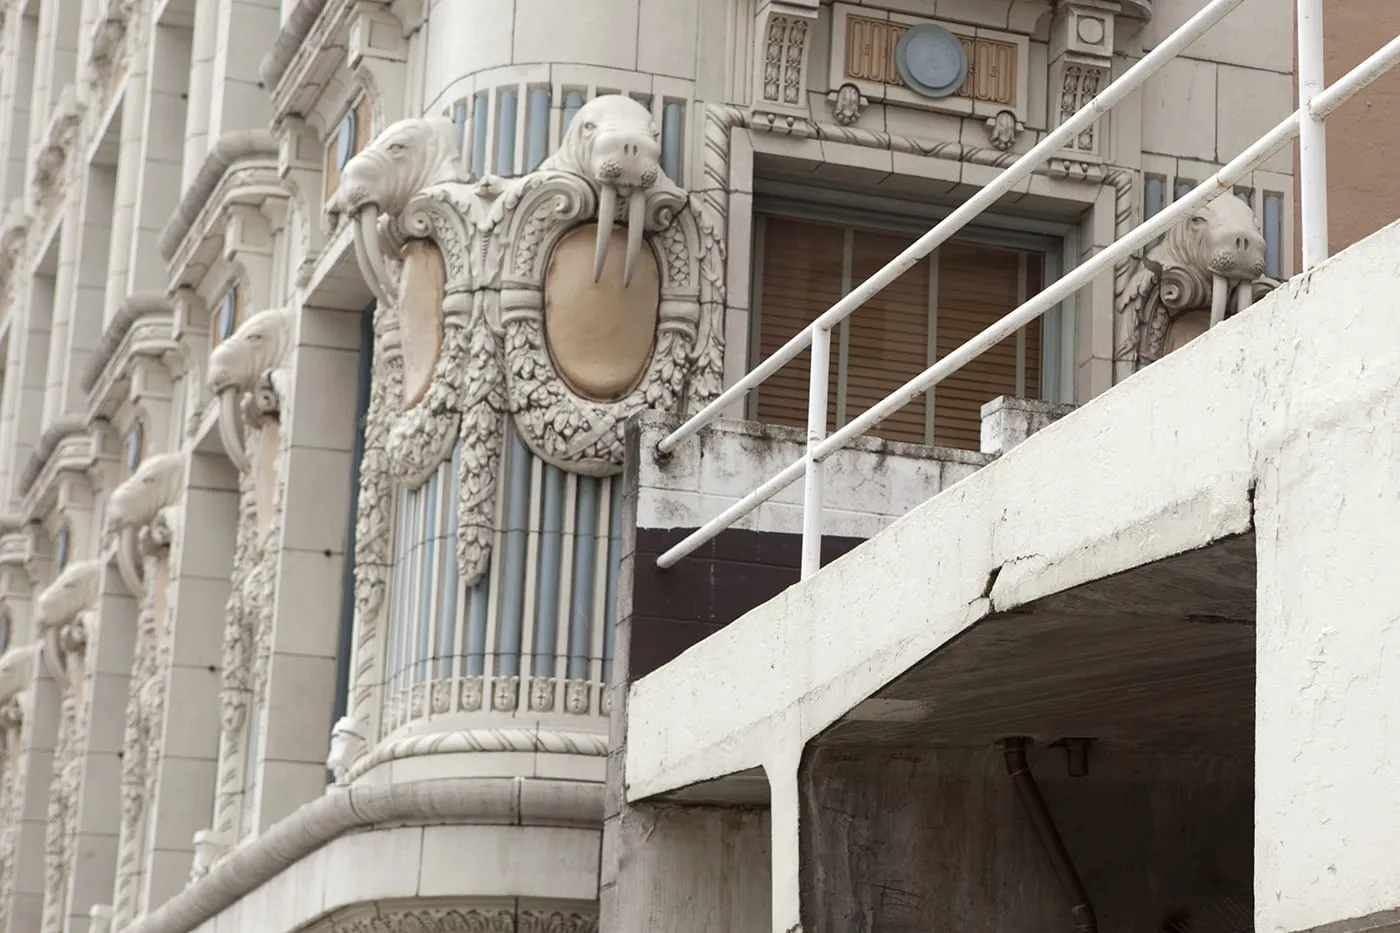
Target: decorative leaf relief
[
  {"x": 482, "y": 434},
  {"x": 423, "y": 436}
]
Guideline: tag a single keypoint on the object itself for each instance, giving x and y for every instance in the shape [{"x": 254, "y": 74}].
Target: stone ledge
[{"x": 498, "y": 801}]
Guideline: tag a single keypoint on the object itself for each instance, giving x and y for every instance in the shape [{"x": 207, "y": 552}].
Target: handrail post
[
  {"x": 818, "y": 388},
  {"x": 1312, "y": 134}
]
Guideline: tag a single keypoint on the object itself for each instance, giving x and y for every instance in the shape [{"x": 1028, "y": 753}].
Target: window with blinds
[{"x": 931, "y": 310}]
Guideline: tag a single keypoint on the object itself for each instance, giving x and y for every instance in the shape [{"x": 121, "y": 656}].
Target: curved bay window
[
  {"x": 803, "y": 266},
  {"x": 535, "y": 634}
]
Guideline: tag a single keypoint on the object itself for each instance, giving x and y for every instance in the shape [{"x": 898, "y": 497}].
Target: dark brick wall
[{"x": 736, "y": 572}]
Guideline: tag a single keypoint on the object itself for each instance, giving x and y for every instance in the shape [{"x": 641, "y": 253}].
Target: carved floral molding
[
  {"x": 250, "y": 376},
  {"x": 468, "y": 920}
]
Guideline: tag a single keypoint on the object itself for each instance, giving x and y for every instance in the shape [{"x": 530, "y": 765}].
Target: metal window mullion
[
  {"x": 843, "y": 346},
  {"x": 760, "y": 242},
  {"x": 931, "y": 351},
  {"x": 1021, "y": 271}
]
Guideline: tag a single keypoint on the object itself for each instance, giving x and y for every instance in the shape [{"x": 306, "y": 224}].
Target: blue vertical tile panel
[
  {"x": 1153, "y": 197},
  {"x": 347, "y": 580},
  {"x": 584, "y": 574},
  {"x": 614, "y": 565},
  {"x": 549, "y": 572},
  {"x": 536, "y": 128},
  {"x": 431, "y": 543},
  {"x": 672, "y": 140},
  {"x": 573, "y": 102},
  {"x": 1273, "y": 235},
  {"x": 513, "y": 571},
  {"x": 478, "y": 601},
  {"x": 448, "y": 578},
  {"x": 481, "y": 113},
  {"x": 505, "y": 132},
  {"x": 459, "y": 124}
]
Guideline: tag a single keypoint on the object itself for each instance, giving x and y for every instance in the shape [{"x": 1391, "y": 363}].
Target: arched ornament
[{"x": 496, "y": 238}]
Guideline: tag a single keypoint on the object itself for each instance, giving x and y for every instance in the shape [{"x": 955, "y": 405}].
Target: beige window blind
[{"x": 927, "y": 313}]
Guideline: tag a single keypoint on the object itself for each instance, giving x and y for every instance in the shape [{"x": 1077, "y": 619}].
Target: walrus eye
[
  {"x": 590, "y": 126},
  {"x": 1198, "y": 220}
]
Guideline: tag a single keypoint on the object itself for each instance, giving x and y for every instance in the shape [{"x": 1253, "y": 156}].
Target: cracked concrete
[{"x": 1276, "y": 434}]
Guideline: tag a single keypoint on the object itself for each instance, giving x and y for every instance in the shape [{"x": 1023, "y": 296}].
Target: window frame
[{"x": 879, "y": 214}]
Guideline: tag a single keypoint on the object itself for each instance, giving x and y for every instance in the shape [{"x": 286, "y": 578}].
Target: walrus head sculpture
[
  {"x": 382, "y": 178},
  {"x": 614, "y": 143}
]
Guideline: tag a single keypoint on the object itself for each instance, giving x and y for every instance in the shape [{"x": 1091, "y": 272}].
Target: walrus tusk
[
  {"x": 53, "y": 657},
  {"x": 607, "y": 212},
  {"x": 1219, "y": 299},
  {"x": 127, "y": 563},
  {"x": 367, "y": 253},
  {"x": 228, "y": 429},
  {"x": 636, "y": 224},
  {"x": 1245, "y": 296}
]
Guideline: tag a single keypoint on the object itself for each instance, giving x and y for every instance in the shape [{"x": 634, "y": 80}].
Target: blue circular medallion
[{"x": 931, "y": 60}]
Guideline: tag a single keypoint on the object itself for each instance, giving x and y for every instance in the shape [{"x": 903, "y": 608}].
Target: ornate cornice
[
  {"x": 18, "y": 548},
  {"x": 229, "y": 149},
  {"x": 14, "y": 229},
  {"x": 109, "y": 26},
  {"x": 54, "y": 150},
  {"x": 586, "y": 744},
  {"x": 304, "y": 57},
  {"x": 454, "y": 800},
  {"x": 466, "y": 919},
  {"x": 70, "y": 431},
  {"x": 801, "y": 128},
  {"x": 154, "y": 313}
]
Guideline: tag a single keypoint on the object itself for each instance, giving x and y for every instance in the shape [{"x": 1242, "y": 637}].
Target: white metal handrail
[{"x": 1316, "y": 104}]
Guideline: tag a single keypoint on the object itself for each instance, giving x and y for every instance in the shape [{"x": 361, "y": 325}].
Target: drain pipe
[{"x": 1029, "y": 792}]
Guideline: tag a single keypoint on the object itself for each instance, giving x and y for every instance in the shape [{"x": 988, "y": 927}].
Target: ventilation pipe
[{"x": 1029, "y": 792}]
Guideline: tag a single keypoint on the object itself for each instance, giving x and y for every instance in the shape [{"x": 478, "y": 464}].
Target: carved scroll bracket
[
  {"x": 376, "y": 54},
  {"x": 1081, "y": 65},
  {"x": 143, "y": 515}
]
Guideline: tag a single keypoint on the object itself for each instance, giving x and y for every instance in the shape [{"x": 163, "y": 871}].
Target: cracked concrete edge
[{"x": 1162, "y": 464}]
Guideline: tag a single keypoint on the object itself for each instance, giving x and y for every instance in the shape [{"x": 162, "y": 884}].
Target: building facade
[{"x": 322, "y": 325}]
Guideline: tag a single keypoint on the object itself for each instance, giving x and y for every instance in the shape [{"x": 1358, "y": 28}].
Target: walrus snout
[
  {"x": 1239, "y": 255},
  {"x": 626, "y": 158}
]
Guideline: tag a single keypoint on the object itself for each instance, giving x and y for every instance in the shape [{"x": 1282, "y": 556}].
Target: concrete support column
[
  {"x": 186, "y": 770},
  {"x": 247, "y": 28},
  {"x": 98, "y": 820},
  {"x": 300, "y": 695},
  {"x": 162, "y": 151},
  {"x": 1328, "y": 642},
  {"x": 124, "y": 196},
  {"x": 26, "y": 910},
  {"x": 64, "y": 293},
  {"x": 203, "y": 46},
  {"x": 687, "y": 870}
]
